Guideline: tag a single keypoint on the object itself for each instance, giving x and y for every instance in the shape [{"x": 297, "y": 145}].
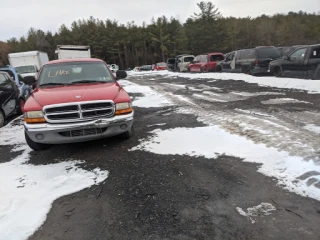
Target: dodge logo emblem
[{"x": 78, "y": 96}]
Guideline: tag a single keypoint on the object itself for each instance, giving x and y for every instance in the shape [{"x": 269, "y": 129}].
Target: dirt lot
[{"x": 164, "y": 196}]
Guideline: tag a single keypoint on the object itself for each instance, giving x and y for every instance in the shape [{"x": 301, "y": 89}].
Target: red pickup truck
[
  {"x": 76, "y": 100},
  {"x": 206, "y": 62}
]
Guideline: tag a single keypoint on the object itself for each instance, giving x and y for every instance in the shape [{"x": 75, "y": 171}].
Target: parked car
[
  {"x": 256, "y": 60},
  {"x": 228, "y": 64},
  {"x": 24, "y": 89},
  {"x": 285, "y": 51},
  {"x": 9, "y": 97},
  {"x": 183, "y": 63},
  {"x": 304, "y": 62},
  {"x": 160, "y": 66},
  {"x": 146, "y": 68},
  {"x": 171, "y": 64},
  {"x": 206, "y": 62},
  {"x": 77, "y": 100}
]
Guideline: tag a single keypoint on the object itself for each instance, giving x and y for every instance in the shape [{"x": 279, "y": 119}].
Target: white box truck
[
  {"x": 28, "y": 63},
  {"x": 73, "y": 51}
]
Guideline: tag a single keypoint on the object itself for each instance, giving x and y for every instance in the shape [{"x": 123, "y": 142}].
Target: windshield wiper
[
  {"x": 88, "y": 81},
  {"x": 53, "y": 84}
]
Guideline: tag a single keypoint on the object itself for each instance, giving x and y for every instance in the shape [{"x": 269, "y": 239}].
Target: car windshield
[
  {"x": 25, "y": 69},
  {"x": 268, "y": 52},
  {"x": 74, "y": 72}
]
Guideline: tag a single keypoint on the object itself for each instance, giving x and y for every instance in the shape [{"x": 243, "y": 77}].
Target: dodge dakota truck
[
  {"x": 76, "y": 100},
  {"x": 303, "y": 62}
]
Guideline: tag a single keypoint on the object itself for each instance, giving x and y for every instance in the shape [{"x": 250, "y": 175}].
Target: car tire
[
  {"x": 277, "y": 72},
  {"x": 127, "y": 135},
  {"x": 2, "y": 119},
  {"x": 34, "y": 145},
  {"x": 21, "y": 106}
]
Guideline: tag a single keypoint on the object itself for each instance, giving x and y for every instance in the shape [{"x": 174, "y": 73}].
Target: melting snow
[
  {"x": 288, "y": 83},
  {"x": 213, "y": 141},
  {"x": 312, "y": 128},
  {"x": 27, "y": 191},
  {"x": 263, "y": 209},
  {"x": 283, "y": 101},
  {"x": 150, "y": 97}
]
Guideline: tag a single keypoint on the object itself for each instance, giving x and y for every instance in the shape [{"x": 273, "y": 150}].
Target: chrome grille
[{"x": 78, "y": 111}]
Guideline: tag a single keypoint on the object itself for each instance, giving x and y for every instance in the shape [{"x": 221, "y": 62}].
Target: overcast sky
[{"x": 19, "y": 15}]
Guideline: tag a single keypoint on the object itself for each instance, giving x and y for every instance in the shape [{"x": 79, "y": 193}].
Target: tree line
[{"x": 130, "y": 45}]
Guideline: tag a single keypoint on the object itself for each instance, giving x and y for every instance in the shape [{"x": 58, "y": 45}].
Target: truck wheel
[
  {"x": 277, "y": 72},
  {"x": 218, "y": 69},
  {"x": 127, "y": 135},
  {"x": 1, "y": 119},
  {"x": 34, "y": 145}
]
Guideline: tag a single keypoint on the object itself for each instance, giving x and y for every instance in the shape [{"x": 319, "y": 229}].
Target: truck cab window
[
  {"x": 298, "y": 55},
  {"x": 315, "y": 53}
]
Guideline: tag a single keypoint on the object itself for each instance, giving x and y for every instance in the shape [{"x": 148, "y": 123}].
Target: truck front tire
[{"x": 34, "y": 145}]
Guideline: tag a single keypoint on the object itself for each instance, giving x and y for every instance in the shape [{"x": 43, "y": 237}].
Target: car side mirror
[{"x": 120, "y": 74}]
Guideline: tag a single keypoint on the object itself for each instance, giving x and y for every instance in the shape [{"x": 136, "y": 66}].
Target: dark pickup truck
[{"x": 304, "y": 62}]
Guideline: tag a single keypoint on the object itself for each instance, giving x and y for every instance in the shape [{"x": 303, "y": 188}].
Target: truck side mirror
[{"x": 120, "y": 74}]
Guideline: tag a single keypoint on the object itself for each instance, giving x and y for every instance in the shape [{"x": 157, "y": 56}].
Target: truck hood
[{"x": 76, "y": 93}]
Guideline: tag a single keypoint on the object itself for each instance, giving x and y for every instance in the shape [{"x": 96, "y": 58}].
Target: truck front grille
[
  {"x": 83, "y": 132},
  {"x": 78, "y": 111}
]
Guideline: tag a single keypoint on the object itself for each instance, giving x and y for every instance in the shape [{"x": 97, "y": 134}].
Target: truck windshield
[
  {"x": 25, "y": 69},
  {"x": 74, "y": 73}
]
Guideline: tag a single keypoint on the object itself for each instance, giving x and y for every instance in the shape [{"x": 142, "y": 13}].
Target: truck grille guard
[{"x": 78, "y": 111}]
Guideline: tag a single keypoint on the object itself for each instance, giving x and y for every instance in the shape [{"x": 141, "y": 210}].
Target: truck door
[
  {"x": 294, "y": 66},
  {"x": 313, "y": 62},
  {"x": 8, "y": 97},
  {"x": 228, "y": 62}
]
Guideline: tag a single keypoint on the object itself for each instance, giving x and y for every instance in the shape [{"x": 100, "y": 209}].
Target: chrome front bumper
[{"x": 78, "y": 132}]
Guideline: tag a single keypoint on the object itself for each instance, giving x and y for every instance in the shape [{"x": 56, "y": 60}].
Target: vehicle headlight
[
  {"x": 123, "y": 108},
  {"x": 34, "y": 117}
]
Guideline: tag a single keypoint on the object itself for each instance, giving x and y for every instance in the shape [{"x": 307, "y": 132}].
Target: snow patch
[
  {"x": 150, "y": 97},
  {"x": 263, "y": 209},
  {"x": 312, "y": 128},
  {"x": 212, "y": 141},
  {"x": 283, "y": 101},
  {"x": 27, "y": 191},
  {"x": 158, "y": 124},
  {"x": 287, "y": 83}
]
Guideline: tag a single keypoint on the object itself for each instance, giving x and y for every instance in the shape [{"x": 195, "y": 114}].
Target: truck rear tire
[{"x": 34, "y": 145}]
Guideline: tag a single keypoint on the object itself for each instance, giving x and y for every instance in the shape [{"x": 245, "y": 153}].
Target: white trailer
[
  {"x": 28, "y": 63},
  {"x": 73, "y": 51}
]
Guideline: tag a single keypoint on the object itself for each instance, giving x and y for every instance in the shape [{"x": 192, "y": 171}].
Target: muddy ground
[{"x": 150, "y": 196}]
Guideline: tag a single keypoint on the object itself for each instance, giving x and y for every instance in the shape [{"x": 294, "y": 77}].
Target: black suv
[
  {"x": 252, "y": 61},
  {"x": 256, "y": 60},
  {"x": 9, "y": 97}
]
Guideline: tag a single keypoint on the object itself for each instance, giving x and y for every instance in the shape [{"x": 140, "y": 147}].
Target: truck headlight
[
  {"x": 123, "y": 108},
  {"x": 34, "y": 117}
]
